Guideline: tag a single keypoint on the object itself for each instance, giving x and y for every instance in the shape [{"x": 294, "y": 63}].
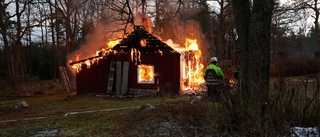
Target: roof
[
  {"x": 135, "y": 40},
  {"x": 143, "y": 41}
]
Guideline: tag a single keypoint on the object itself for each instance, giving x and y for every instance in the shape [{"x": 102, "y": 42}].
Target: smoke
[
  {"x": 96, "y": 40},
  {"x": 102, "y": 33},
  {"x": 172, "y": 44},
  {"x": 174, "y": 32}
]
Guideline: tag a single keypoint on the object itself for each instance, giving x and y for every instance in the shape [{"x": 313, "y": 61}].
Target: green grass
[{"x": 49, "y": 114}]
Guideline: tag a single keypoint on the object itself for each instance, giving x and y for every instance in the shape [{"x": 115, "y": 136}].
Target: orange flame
[
  {"x": 78, "y": 57},
  {"x": 112, "y": 43},
  {"x": 191, "y": 44},
  {"x": 191, "y": 65},
  {"x": 135, "y": 56},
  {"x": 145, "y": 74},
  {"x": 101, "y": 52}
]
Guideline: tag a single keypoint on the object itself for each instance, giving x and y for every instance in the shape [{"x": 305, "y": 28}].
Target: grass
[
  {"x": 173, "y": 116},
  {"x": 49, "y": 114},
  {"x": 63, "y": 103}
]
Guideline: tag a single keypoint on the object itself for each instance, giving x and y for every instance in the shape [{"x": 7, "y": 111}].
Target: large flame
[
  {"x": 101, "y": 52},
  {"x": 191, "y": 44},
  {"x": 191, "y": 66}
]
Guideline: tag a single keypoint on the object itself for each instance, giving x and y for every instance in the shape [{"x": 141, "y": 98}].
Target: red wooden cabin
[{"x": 139, "y": 64}]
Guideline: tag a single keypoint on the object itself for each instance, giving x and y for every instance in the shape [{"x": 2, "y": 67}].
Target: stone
[
  {"x": 21, "y": 104},
  {"x": 148, "y": 107}
]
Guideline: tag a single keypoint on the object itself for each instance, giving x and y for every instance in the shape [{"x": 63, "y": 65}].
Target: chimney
[{"x": 147, "y": 24}]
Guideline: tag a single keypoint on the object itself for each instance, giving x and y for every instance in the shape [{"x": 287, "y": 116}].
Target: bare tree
[
  {"x": 5, "y": 24},
  {"x": 313, "y": 5},
  {"x": 253, "y": 29},
  {"x": 68, "y": 10},
  {"x": 223, "y": 14},
  {"x": 13, "y": 37},
  {"x": 307, "y": 7}
]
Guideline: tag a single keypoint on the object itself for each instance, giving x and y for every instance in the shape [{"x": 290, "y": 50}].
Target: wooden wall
[{"x": 166, "y": 65}]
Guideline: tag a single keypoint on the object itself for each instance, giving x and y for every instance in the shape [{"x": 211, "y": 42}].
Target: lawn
[{"x": 67, "y": 115}]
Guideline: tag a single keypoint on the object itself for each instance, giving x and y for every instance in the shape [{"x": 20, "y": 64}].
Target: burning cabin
[{"x": 139, "y": 64}]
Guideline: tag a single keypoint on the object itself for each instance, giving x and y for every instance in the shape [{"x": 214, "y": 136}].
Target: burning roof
[
  {"x": 143, "y": 41},
  {"x": 138, "y": 40}
]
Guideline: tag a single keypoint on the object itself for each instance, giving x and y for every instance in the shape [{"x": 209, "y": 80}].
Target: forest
[
  {"x": 273, "y": 43},
  {"x": 38, "y": 36}
]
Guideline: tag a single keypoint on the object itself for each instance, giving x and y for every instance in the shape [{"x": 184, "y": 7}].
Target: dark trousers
[{"x": 214, "y": 93}]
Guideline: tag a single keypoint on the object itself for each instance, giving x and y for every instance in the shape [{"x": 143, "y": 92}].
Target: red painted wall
[{"x": 167, "y": 65}]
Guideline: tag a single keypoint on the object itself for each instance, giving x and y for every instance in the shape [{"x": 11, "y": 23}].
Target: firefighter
[{"x": 213, "y": 76}]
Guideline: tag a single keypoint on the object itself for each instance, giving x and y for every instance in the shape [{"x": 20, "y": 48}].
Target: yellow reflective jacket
[{"x": 217, "y": 69}]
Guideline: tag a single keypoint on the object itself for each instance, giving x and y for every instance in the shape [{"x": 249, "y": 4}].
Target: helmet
[{"x": 214, "y": 59}]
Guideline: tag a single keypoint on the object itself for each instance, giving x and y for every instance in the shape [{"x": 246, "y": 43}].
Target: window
[{"x": 145, "y": 74}]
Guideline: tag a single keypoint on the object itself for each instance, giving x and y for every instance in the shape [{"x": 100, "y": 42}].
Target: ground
[
  {"x": 61, "y": 113},
  {"x": 65, "y": 114}
]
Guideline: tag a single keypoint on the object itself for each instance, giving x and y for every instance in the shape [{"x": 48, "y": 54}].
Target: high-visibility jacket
[{"x": 217, "y": 69}]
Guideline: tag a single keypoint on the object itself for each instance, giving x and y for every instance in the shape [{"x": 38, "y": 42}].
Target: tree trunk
[
  {"x": 55, "y": 39},
  {"x": 241, "y": 13},
  {"x": 17, "y": 48},
  {"x": 253, "y": 29},
  {"x": 8, "y": 51},
  {"x": 259, "y": 47},
  {"x": 220, "y": 40},
  {"x": 3, "y": 26},
  {"x": 316, "y": 22}
]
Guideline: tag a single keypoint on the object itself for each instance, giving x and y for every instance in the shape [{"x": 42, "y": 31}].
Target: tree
[
  {"x": 4, "y": 26},
  {"x": 165, "y": 18},
  {"x": 305, "y": 6},
  {"x": 68, "y": 11},
  {"x": 223, "y": 16},
  {"x": 13, "y": 31},
  {"x": 253, "y": 29}
]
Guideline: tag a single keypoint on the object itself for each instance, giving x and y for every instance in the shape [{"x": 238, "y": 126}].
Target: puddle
[{"x": 45, "y": 133}]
